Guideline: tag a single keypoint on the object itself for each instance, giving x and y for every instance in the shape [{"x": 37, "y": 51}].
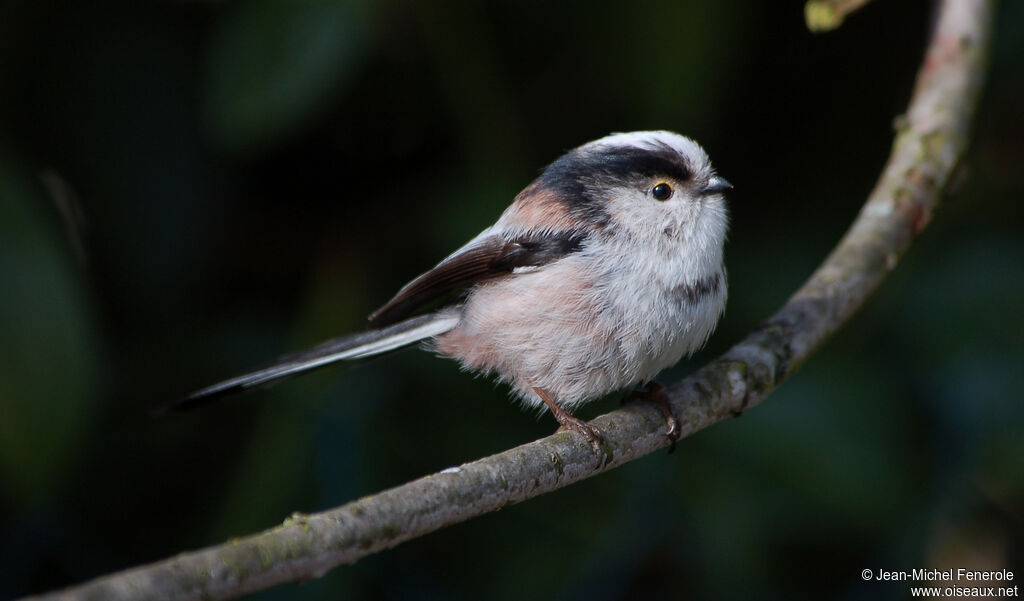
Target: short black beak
[{"x": 716, "y": 185}]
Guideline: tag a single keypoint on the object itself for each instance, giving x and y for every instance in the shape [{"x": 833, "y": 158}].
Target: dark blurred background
[{"x": 189, "y": 189}]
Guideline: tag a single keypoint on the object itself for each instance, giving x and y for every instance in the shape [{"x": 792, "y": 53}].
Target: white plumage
[{"x": 612, "y": 315}]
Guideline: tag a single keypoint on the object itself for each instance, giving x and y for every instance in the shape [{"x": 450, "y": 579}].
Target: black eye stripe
[
  {"x": 583, "y": 177},
  {"x": 622, "y": 163}
]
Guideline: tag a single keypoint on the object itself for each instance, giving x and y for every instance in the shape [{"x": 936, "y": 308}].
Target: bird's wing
[{"x": 485, "y": 258}]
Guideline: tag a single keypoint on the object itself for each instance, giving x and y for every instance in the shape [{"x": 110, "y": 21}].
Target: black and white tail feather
[
  {"x": 344, "y": 348},
  {"x": 484, "y": 258}
]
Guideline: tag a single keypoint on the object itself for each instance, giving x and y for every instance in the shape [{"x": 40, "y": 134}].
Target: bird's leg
[
  {"x": 656, "y": 394},
  {"x": 568, "y": 422}
]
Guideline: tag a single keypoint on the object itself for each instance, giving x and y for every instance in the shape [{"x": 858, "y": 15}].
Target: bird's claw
[
  {"x": 656, "y": 393},
  {"x": 592, "y": 434}
]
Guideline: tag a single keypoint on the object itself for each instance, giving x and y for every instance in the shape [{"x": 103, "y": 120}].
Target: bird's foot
[
  {"x": 574, "y": 424},
  {"x": 592, "y": 434},
  {"x": 656, "y": 393}
]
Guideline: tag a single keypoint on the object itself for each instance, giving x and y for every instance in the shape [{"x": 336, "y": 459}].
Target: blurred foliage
[
  {"x": 48, "y": 357},
  {"x": 272, "y": 63},
  {"x": 188, "y": 189}
]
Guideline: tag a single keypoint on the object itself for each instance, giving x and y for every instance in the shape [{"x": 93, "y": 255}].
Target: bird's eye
[{"x": 662, "y": 191}]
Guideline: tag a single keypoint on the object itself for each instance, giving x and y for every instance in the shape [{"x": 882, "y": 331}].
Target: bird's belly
[{"x": 555, "y": 329}]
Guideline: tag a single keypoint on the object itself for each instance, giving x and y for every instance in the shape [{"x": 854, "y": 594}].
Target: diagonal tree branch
[{"x": 929, "y": 142}]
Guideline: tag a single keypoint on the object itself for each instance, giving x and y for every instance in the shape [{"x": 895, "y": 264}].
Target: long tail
[{"x": 353, "y": 346}]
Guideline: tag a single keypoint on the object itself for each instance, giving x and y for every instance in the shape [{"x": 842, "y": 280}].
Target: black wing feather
[{"x": 489, "y": 258}]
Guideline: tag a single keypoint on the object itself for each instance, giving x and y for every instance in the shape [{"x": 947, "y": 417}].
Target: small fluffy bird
[{"x": 605, "y": 270}]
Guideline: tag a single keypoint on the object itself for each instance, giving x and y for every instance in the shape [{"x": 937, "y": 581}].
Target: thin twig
[{"x": 929, "y": 142}]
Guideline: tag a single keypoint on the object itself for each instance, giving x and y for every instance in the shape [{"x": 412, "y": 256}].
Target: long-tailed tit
[{"x": 605, "y": 270}]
